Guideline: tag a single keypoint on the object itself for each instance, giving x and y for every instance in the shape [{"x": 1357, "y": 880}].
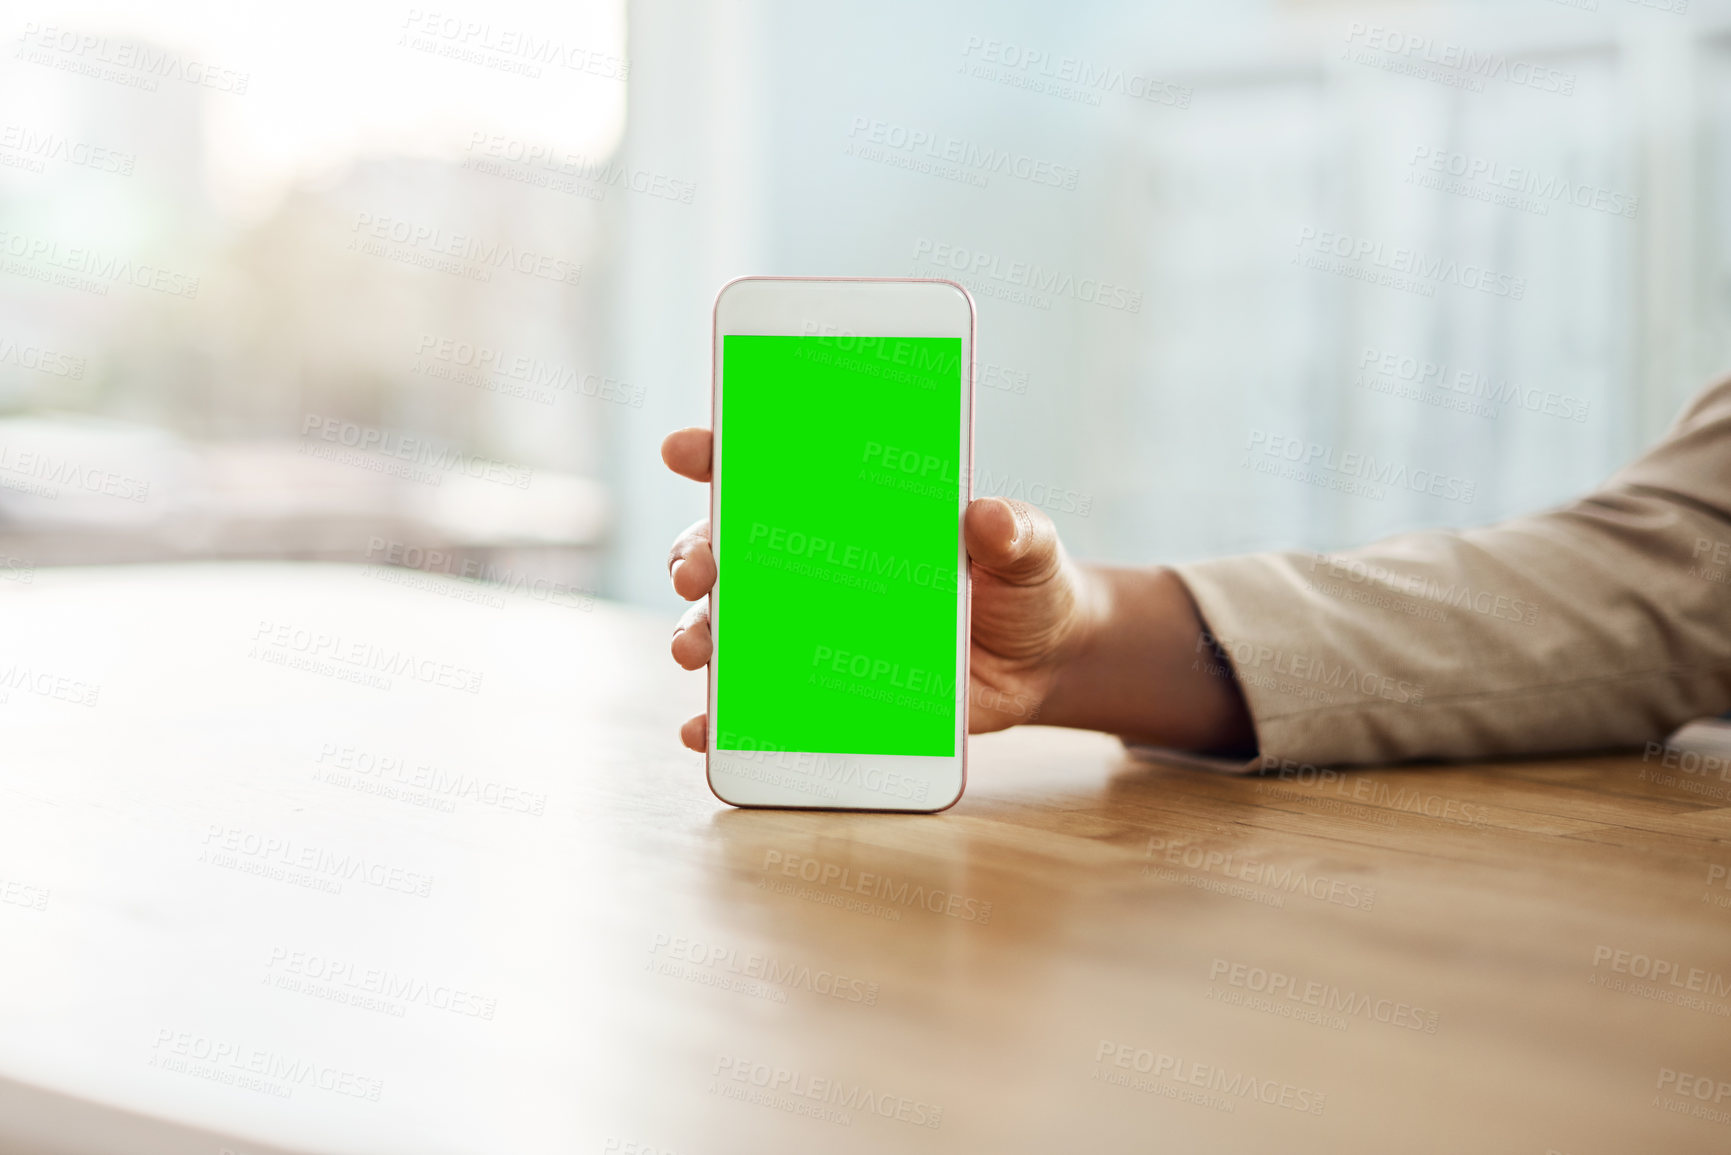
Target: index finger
[{"x": 687, "y": 452}]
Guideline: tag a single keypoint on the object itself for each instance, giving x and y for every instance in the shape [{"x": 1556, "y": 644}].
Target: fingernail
[
  {"x": 674, "y": 572},
  {"x": 678, "y": 631}
]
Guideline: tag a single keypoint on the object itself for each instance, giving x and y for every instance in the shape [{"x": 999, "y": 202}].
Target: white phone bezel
[{"x": 866, "y": 307}]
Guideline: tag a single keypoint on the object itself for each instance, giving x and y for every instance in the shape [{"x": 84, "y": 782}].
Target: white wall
[{"x": 1143, "y": 418}]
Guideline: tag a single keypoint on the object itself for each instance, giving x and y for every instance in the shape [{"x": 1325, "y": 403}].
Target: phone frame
[{"x": 853, "y": 306}]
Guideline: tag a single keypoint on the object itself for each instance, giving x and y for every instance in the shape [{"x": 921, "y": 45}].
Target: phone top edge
[
  {"x": 767, "y": 278},
  {"x": 732, "y": 281}
]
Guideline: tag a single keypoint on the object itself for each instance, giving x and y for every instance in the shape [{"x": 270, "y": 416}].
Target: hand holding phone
[
  {"x": 1028, "y": 606},
  {"x": 833, "y": 577}
]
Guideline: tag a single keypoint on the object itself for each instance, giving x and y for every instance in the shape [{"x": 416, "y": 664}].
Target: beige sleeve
[{"x": 1604, "y": 623}]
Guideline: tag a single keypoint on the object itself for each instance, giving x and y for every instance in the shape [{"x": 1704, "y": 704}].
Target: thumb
[{"x": 1011, "y": 540}]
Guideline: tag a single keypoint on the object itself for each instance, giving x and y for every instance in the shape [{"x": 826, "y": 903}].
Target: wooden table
[{"x": 443, "y": 881}]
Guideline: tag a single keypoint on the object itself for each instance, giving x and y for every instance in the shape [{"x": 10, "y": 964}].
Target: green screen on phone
[{"x": 839, "y": 516}]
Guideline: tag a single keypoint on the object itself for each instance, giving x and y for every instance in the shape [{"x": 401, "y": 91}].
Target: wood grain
[{"x": 614, "y": 947}]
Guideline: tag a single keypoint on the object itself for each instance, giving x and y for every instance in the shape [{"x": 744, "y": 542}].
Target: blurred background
[{"x": 424, "y": 288}]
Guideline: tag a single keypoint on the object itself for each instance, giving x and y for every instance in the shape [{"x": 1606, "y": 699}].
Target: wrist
[
  {"x": 1082, "y": 652},
  {"x": 1131, "y": 666}
]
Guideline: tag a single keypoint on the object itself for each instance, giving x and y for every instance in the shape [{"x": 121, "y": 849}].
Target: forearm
[
  {"x": 1603, "y": 623},
  {"x": 1140, "y": 668}
]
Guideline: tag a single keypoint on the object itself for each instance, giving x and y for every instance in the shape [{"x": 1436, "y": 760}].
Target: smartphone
[{"x": 843, "y": 419}]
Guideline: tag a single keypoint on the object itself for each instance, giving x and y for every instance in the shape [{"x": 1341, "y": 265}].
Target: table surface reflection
[{"x": 326, "y": 859}]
